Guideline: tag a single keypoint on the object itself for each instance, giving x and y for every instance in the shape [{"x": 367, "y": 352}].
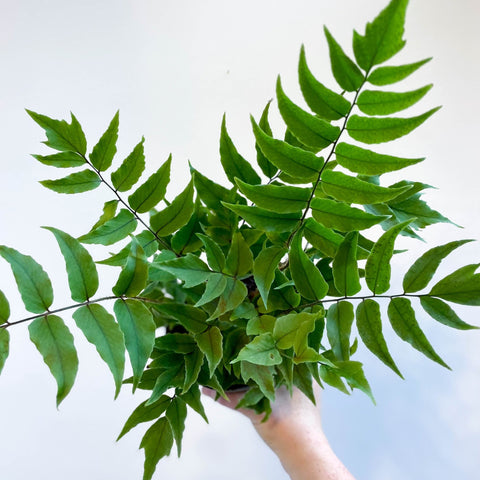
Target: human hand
[{"x": 294, "y": 432}]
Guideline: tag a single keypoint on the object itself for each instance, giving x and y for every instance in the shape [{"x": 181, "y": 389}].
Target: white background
[{"x": 173, "y": 69}]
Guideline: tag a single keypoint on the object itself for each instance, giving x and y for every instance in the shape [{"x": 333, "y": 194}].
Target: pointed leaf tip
[
  {"x": 62, "y": 136},
  {"x": 383, "y": 36},
  {"x": 100, "y": 329},
  {"x": 233, "y": 163},
  {"x": 55, "y": 343}
]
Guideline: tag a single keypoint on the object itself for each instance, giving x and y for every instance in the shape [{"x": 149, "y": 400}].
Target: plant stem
[
  {"x": 332, "y": 151},
  {"x": 125, "y": 204},
  {"x": 361, "y": 298},
  {"x": 78, "y": 305}
]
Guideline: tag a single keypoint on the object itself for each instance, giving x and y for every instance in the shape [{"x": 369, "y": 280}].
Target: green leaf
[
  {"x": 332, "y": 378},
  {"x": 322, "y": 238},
  {"x": 55, "y": 343},
  {"x": 193, "y": 366},
  {"x": 239, "y": 259},
  {"x": 264, "y": 268},
  {"x": 215, "y": 255},
  {"x": 77, "y": 182},
  {"x": 246, "y": 310},
  {"x": 261, "y": 375},
  {"x": 33, "y": 283},
  {"x": 176, "y": 342},
  {"x": 353, "y": 373},
  {"x": 307, "y": 277},
  {"x": 192, "y": 318},
  {"x": 189, "y": 268},
  {"x": 104, "y": 151},
  {"x": 133, "y": 277},
  {"x": 422, "y": 271},
  {"x": 185, "y": 240},
  {"x": 109, "y": 211},
  {"x": 353, "y": 190},
  {"x": 418, "y": 210},
  {"x": 113, "y": 230},
  {"x": 282, "y": 297},
  {"x": 392, "y": 74},
  {"x": 346, "y": 73},
  {"x": 150, "y": 193},
  {"x": 339, "y": 326},
  {"x": 215, "y": 286},
  {"x": 210, "y": 343},
  {"x": 266, "y": 220},
  {"x": 377, "y": 268},
  {"x": 415, "y": 191},
  {"x": 4, "y": 346},
  {"x": 176, "y": 215},
  {"x": 461, "y": 286},
  {"x": 252, "y": 236},
  {"x": 193, "y": 399},
  {"x": 260, "y": 324},
  {"x": 379, "y": 130},
  {"x": 155, "y": 272},
  {"x": 292, "y": 330},
  {"x": 254, "y": 398},
  {"x": 341, "y": 216},
  {"x": 4, "y": 308},
  {"x": 101, "y": 330},
  {"x": 345, "y": 269},
  {"x": 292, "y": 160},
  {"x": 443, "y": 313},
  {"x": 233, "y": 295},
  {"x": 61, "y": 160},
  {"x": 145, "y": 413},
  {"x": 380, "y": 209},
  {"x": 173, "y": 376},
  {"x": 129, "y": 172},
  {"x": 260, "y": 351},
  {"x": 233, "y": 163},
  {"x": 176, "y": 414},
  {"x": 366, "y": 162},
  {"x": 383, "y": 37},
  {"x": 402, "y": 318},
  {"x": 212, "y": 194},
  {"x": 145, "y": 239},
  {"x": 281, "y": 199},
  {"x": 81, "y": 270},
  {"x": 267, "y": 167},
  {"x": 306, "y": 354},
  {"x": 157, "y": 443},
  {"x": 377, "y": 102},
  {"x": 138, "y": 327},
  {"x": 302, "y": 379},
  {"x": 309, "y": 129},
  {"x": 369, "y": 324},
  {"x": 285, "y": 371},
  {"x": 61, "y": 135},
  {"x": 323, "y": 101}
]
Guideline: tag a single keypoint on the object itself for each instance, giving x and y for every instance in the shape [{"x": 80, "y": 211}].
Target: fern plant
[{"x": 258, "y": 284}]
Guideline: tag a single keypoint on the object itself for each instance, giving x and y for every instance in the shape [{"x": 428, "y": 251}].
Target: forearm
[
  {"x": 304, "y": 451},
  {"x": 313, "y": 461}
]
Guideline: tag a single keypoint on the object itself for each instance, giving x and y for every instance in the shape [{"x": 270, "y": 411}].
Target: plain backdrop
[{"x": 173, "y": 69}]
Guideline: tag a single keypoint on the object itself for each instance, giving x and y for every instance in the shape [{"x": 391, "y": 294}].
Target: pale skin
[{"x": 294, "y": 433}]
